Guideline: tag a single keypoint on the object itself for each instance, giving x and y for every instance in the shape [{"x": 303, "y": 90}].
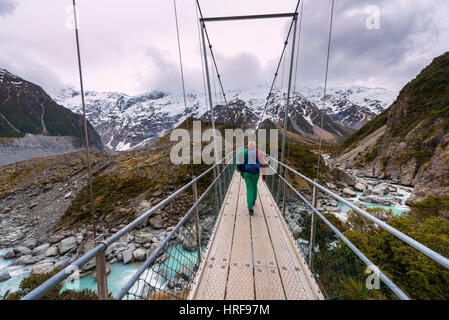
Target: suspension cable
[
  {"x": 183, "y": 83},
  {"x": 299, "y": 42},
  {"x": 284, "y": 49},
  {"x": 294, "y": 89},
  {"x": 201, "y": 53},
  {"x": 212, "y": 53},
  {"x": 86, "y": 135},
  {"x": 325, "y": 86}
]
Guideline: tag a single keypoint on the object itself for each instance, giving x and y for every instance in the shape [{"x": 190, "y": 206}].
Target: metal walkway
[{"x": 252, "y": 257}]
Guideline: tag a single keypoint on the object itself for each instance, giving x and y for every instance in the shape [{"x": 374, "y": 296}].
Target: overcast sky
[{"x": 130, "y": 45}]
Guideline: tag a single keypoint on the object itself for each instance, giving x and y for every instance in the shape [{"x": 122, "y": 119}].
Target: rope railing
[
  {"x": 415, "y": 244},
  {"x": 103, "y": 245}
]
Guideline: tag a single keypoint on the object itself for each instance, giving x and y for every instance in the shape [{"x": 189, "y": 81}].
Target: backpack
[{"x": 252, "y": 164}]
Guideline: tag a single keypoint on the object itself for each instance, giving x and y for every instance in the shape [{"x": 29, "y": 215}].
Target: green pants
[{"x": 251, "y": 188}]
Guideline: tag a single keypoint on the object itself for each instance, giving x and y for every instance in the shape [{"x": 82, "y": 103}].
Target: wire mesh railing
[
  {"x": 169, "y": 273},
  {"x": 339, "y": 271},
  {"x": 339, "y": 267}
]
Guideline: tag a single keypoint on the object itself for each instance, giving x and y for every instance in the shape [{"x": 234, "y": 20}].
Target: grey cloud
[
  {"x": 359, "y": 55},
  {"x": 34, "y": 72},
  {"x": 7, "y": 7}
]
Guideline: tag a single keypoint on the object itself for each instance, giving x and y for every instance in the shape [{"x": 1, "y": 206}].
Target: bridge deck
[{"x": 252, "y": 257}]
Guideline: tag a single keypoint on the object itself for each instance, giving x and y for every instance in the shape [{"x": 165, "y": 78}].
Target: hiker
[{"x": 250, "y": 164}]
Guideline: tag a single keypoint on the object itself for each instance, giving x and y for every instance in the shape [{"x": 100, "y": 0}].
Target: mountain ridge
[{"x": 129, "y": 122}]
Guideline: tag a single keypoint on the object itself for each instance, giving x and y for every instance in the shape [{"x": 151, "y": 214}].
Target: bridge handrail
[
  {"x": 415, "y": 244},
  {"x": 365, "y": 259},
  {"x": 67, "y": 271},
  {"x": 155, "y": 254}
]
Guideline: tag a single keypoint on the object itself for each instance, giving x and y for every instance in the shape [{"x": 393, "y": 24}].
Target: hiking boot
[{"x": 251, "y": 212}]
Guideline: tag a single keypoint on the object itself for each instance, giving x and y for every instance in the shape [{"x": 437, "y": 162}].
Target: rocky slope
[
  {"x": 409, "y": 142},
  {"x": 44, "y": 204},
  {"x": 130, "y": 122},
  {"x": 36, "y": 122}
]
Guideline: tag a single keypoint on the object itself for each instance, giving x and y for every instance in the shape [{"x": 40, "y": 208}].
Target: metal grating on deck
[{"x": 254, "y": 257}]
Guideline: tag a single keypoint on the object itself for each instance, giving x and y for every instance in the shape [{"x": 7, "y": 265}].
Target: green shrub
[{"x": 31, "y": 282}]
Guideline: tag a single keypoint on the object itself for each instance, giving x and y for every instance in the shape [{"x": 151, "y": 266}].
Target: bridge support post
[
  {"x": 102, "y": 275},
  {"x": 313, "y": 227},
  {"x": 197, "y": 222},
  {"x": 284, "y": 194}
]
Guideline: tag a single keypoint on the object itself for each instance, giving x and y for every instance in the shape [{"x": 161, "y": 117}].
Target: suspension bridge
[{"x": 288, "y": 250}]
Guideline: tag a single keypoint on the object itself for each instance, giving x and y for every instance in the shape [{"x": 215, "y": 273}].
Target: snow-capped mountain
[
  {"x": 129, "y": 122},
  {"x": 351, "y": 107}
]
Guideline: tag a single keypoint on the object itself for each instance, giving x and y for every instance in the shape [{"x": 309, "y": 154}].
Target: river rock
[
  {"x": 55, "y": 238},
  {"x": 143, "y": 237},
  {"x": 9, "y": 255},
  {"x": 139, "y": 254},
  {"x": 186, "y": 272},
  {"x": 21, "y": 260},
  {"x": 111, "y": 248},
  {"x": 41, "y": 250},
  {"x": 42, "y": 267},
  {"x": 127, "y": 256},
  {"x": 21, "y": 251},
  {"x": 4, "y": 276},
  {"x": 52, "y": 251},
  {"x": 62, "y": 263},
  {"x": 376, "y": 200},
  {"x": 360, "y": 186},
  {"x": 349, "y": 192},
  {"x": 67, "y": 244},
  {"x": 368, "y": 192},
  {"x": 89, "y": 265},
  {"x": 29, "y": 243},
  {"x": 156, "y": 222}
]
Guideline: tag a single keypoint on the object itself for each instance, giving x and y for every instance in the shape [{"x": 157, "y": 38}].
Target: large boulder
[
  {"x": 9, "y": 255},
  {"x": 4, "y": 276},
  {"x": 52, "y": 251},
  {"x": 127, "y": 256},
  {"x": 139, "y": 254},
  {"x": 349, "y": 192},
  {"x": 55, "y": 238},
  {"x": 29, "y": 243},
  {"x": 67, "y": 244},
  {"x": 156, "y": 222},
  {"x": 41, "y": 250},
  {"x": 143, "y": 237},
  {"x": 22, "y": 251},
  {"x": 360, "y": 186}
]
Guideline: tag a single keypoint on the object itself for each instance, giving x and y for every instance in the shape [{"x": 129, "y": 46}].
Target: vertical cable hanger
[
  {"x": 86, "y": 136},
  {"x": 183, "y": 85},
  {"x": 325, "y": 86}
]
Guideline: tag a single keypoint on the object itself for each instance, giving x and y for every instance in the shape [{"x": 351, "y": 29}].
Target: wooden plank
[
  {"x": 268, "y": 284},
  {"x": 240, "y": 285},
  {"x": 211, "y": 283}
]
